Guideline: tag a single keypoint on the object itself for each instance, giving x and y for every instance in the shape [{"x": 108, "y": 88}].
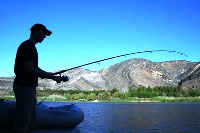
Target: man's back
[{"x": 26, "y": 52}]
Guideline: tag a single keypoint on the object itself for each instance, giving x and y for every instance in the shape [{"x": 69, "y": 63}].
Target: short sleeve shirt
[{"x": 25, "y": 52}]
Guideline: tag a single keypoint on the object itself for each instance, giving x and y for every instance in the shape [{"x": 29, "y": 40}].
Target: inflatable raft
[{"x": 64, "y": 118}]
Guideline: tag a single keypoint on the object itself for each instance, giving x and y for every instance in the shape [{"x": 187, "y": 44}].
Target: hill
[{"x": 134, "y": 72}]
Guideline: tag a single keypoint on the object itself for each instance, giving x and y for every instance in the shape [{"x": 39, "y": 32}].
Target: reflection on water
[{"x": 139, "y": 117}]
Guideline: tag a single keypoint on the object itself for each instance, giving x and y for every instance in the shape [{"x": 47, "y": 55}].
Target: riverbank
[
  {"x": 57, "y": 98},
  {"x": 140, "y": 94}
]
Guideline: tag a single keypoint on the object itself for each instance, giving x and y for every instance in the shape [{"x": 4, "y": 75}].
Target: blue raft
[{"x": 64, "y": 118}]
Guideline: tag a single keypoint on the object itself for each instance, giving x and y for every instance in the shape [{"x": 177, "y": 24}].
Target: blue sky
[{"x": 88, "y": 30}]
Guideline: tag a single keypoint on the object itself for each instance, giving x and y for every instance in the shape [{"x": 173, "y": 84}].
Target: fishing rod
[
  {"x": 65, "y": 78},
  {"x": 62, "y": 71}
]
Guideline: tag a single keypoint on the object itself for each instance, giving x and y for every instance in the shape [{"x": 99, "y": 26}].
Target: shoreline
[{"x": 130, "y": 99}]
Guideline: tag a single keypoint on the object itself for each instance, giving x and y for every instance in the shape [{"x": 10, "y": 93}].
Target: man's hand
[
  {"x": 57, "y": 79},
  {"x": 64, "y": 78}
]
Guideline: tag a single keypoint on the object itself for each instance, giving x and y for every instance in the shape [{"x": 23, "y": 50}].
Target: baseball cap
[{"x": 41, "y": 27}]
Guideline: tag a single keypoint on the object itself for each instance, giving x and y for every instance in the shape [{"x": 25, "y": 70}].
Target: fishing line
[
  {"x": 65, "y": 78},
  {"x": 140, "y": 52}
]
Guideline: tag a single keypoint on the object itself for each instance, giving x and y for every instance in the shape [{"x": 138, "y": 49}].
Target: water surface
[{"x": 139, "y": 117}]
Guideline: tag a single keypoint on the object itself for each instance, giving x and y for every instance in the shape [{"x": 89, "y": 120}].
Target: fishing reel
[{"x": 64, "y": 78}]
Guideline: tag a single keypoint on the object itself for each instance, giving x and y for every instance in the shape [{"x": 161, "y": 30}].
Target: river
[{"x": 138, "y": 117}]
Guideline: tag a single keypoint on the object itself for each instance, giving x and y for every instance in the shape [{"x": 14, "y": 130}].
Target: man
[{"x": 27, "y": 72}]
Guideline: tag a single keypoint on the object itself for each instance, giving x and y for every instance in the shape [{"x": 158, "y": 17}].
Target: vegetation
[{"x": 140, "y": 94}]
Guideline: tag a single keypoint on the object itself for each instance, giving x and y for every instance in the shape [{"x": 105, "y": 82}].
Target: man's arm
[{"x": 39, "y": 72}]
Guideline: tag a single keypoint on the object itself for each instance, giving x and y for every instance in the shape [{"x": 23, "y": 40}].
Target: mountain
[
  {"x": 191, "y": 78},
  {"x": 134, "y": 72},
  {"x": 5, "y": 84}
]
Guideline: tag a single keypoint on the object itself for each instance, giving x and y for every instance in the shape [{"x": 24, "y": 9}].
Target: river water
[{"x": 138, "y": 117}]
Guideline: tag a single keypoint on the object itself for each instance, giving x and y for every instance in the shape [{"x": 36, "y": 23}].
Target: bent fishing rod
[
  {"x": 62, "y": 71},
  {"x": 65, "y": 78}
]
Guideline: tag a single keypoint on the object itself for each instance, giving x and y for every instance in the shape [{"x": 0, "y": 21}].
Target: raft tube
[{"x": 64, "y": 117}]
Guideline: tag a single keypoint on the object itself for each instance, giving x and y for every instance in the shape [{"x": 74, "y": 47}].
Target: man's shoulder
[{"x": 26, "y": 45}]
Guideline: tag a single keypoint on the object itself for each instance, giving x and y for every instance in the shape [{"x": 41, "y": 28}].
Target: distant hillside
[
  {"x": 133, "y": 72},
  {"x": 191, "y": 78}
]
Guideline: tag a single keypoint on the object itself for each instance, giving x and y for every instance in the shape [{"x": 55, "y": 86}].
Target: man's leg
[
  {"x": 25, "y": 103},
  {"x": 33, "y": 115}
]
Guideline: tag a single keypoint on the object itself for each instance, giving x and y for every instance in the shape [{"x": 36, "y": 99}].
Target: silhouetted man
[{"x": 27, "y": 72}]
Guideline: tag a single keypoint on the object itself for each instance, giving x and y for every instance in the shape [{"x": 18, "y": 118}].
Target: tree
[
  {"x": 131, "y": 91},
  {"x": 81, "y": 96},
  {"x": 114, "y": 90},
  {"x": 116, "y": 95},
  {"x": 104, "y": 95},
  {"x": 91, "y": 97}
]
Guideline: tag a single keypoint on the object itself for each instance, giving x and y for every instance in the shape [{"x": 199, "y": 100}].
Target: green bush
[{"x": 91, "y": 97}]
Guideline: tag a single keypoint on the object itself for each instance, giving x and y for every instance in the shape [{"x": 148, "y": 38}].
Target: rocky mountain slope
[
  {"x": 191, "y": 78},
  {"x": 133, "y": 72}
]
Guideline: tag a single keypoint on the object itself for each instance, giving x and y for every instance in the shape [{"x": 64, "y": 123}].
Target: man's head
[
  {"x": 41, "y": 27},
  {"x": 39, "y": 32}
]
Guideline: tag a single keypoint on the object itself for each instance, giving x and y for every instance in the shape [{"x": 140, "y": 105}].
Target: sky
[{"x": 89, "y": 30}]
